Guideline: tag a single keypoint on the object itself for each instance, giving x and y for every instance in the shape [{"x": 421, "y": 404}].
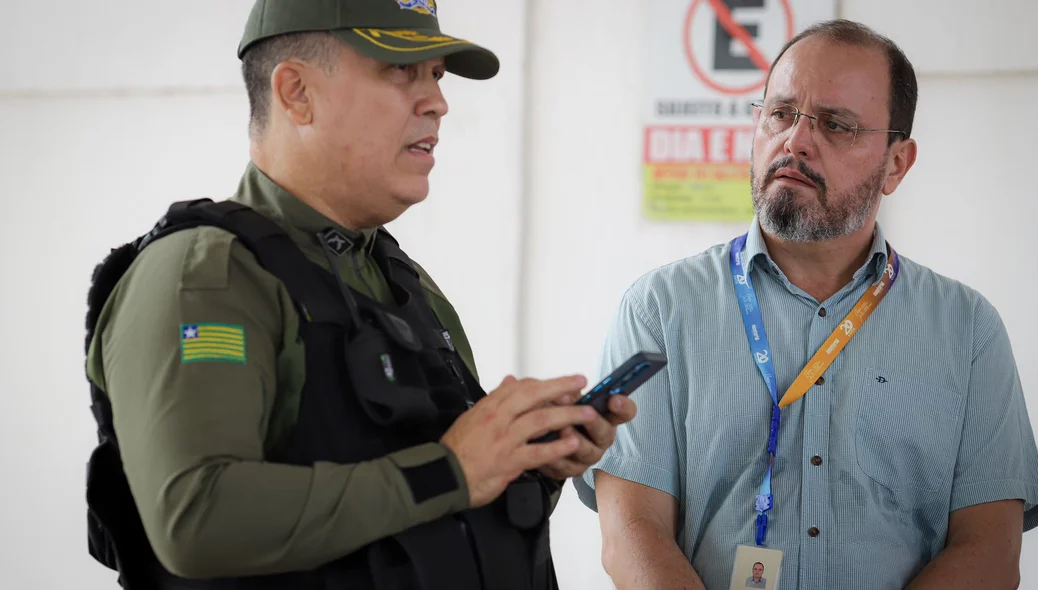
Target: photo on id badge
[{"x": 756, "y": 567}]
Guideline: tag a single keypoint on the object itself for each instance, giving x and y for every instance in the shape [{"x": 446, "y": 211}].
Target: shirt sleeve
[
  {"x": 190, "y": 350},
  {"x": 645, "y": 449},
  {"x": 997, "y": 458}
]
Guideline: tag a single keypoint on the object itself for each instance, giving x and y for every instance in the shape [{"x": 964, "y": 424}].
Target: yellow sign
[
  {"x": 697, "y": 191},
  {"x": 697, "y": 172}
]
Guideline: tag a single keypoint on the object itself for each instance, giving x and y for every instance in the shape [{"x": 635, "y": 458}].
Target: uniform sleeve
[
  {"x": 191, "y": 343},
  {"x": 997, "y": 458},
  {"x": 645, "y": 449}
]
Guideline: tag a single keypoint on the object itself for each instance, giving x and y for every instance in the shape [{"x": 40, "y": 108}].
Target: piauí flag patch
[{"x": 212, "y": 342}]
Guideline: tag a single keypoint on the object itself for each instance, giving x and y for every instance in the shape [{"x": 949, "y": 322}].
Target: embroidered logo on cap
[{"x": 419, "y": 6}]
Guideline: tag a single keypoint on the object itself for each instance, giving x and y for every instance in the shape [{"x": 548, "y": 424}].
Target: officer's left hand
[{"x": 602, "y": 432}]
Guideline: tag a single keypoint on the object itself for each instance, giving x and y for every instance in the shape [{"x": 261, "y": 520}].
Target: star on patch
[{"x": 190, "y": 332}]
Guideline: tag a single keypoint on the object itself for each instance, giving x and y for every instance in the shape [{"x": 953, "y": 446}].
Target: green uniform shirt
[{"x": 193, "y": 434}]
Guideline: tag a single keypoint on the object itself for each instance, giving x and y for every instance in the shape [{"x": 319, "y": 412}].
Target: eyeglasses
[{"x": 837, "y": 130}]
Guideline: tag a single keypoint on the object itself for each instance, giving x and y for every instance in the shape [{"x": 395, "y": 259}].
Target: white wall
[{"x": 114, "y": 108}]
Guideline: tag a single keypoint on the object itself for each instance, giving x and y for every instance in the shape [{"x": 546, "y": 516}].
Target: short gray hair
[{"x": 258, "y": 63}]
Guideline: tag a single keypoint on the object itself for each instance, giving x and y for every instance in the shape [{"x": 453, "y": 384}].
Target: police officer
[{"x": 284, "y": 398}]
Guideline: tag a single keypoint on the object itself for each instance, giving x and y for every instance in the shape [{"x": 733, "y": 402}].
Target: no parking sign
[{"x": 706, "y": 61}]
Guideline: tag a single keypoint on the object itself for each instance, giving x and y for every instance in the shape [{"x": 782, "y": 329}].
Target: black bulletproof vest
[{"x": 379, "y": 379}]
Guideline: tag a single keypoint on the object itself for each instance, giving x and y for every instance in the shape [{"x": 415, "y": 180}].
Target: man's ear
[
  {"x": 291, "y": 93},
  {"x": 902, "y": 157}
]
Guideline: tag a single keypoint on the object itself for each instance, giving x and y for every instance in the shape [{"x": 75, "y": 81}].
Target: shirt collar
[
  {"x": 303, "y": 222},
  {"x": 756, "y": 252}
]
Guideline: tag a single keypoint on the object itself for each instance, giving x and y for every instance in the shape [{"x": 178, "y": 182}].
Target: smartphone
[{"x": 623, "y": 381}]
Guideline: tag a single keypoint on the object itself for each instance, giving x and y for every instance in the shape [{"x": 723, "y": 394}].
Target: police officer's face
[
  {"x": 808, "y": 185},
  {"x": 377, "y": 125}
]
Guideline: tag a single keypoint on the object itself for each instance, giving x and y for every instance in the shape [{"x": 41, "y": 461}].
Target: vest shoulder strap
[
  {"x": 273, "y": 247},
  {"x": 401, "y": 274}
]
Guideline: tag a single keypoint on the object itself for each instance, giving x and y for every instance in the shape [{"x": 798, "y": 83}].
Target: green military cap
[{"x": 392, "y": 31}]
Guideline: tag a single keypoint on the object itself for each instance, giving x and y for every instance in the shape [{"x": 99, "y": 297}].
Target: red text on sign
[{"x": 698, "y": 145}]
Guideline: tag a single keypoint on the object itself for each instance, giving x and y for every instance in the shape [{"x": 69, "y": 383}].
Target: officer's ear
[{"x": 292, "y": 93}]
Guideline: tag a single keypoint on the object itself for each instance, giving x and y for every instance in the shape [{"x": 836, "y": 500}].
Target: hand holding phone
[{"x": 623, "y": 381}]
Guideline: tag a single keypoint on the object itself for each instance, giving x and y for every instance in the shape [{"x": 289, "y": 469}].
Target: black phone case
[{"x": 623, "y": 381}]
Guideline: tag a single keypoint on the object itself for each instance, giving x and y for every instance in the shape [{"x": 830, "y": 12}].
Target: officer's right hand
[{"x": 490, "y": 440}]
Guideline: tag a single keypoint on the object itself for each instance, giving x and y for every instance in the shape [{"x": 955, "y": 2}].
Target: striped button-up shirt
[{"x": 920, "y": 415}]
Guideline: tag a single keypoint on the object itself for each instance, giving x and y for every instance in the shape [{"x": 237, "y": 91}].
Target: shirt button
[
  {"x": 821, "y": 381},
  {"x": 822, "y": 312},
  {"x": 816, "y": 460},
  {"x": 813, "y": 532}
]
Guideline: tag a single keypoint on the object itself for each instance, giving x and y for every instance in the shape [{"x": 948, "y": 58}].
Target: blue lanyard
[
  {"x": 762, "y": 355},
  {"x": 758, "y": 339}
]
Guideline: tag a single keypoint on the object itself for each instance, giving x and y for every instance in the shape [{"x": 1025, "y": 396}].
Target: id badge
[{"x": 756, "y": 567}]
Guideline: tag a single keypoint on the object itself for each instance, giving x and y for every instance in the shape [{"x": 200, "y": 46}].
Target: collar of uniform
[
  {"x": 258, "y": 191},
  {"x": 756, "y": 252}
]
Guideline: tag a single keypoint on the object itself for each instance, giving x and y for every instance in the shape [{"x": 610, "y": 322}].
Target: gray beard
[{"x": 781, "y": 216}]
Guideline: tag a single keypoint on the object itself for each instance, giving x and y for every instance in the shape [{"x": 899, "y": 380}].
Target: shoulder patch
[{"x": 212, "y": 342}]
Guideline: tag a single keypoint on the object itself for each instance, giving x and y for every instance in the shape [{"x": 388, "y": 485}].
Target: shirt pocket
[{"x": 907, "y": 430}]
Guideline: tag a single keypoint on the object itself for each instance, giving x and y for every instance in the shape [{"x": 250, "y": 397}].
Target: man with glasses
[{"x": 830, "y": 406}]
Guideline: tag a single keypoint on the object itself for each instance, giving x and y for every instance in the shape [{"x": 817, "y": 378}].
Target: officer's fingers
[
  {"x": 495, "y": 399},
  {"x": 506, "y": 384},
  {"x": 590, "y": 451},
  {"x": 601, "y": 432},
  {"x": 569, "y": 466},
  {"x": 563, "y": 469},
  {"x": 565, "y": 400},
  {"x": 544, "y": 420},
  {"x": 527, "y": 395},
  {"x": 621, "y": 410},
  {"x": 536, "y": 455}
]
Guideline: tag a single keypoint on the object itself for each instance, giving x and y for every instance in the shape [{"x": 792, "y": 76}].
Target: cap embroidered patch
[
  {"x": 212, "y": 342},
  {"x": 407, "y": 40},
  {"x": 419, "y": 6}
]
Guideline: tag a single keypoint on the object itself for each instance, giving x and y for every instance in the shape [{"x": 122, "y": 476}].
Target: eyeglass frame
[{"x": 797, "y": 113}]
